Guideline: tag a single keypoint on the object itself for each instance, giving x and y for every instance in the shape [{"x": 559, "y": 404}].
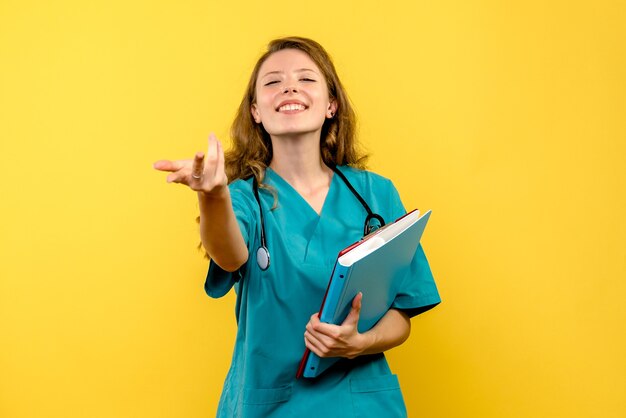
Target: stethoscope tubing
[{"x": 263, "y": 254}]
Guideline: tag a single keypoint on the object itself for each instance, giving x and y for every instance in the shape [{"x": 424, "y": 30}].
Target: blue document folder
[{"x": 375, "y": 266}]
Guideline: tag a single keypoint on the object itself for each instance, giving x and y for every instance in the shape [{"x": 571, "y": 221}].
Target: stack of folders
[{"x": 376, "y": 266}]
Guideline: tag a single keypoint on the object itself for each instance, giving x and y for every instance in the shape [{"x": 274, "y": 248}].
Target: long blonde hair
[{"x": 251, "y": 150}]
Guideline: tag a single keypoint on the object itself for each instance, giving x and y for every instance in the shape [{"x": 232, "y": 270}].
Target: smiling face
[{"x": 291, "y": 95}]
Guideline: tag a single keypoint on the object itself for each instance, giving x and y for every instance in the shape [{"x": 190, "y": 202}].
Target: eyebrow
[{"x": 299, "y": 70}]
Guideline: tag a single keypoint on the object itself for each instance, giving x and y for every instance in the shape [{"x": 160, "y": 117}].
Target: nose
[{"x": 290, "y": 89}]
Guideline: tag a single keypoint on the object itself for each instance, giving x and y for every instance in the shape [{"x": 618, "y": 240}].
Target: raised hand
[{"x": 201, "y": 174}]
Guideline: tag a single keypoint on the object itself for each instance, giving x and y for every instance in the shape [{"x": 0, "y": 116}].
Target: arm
[
  {"x": 219, "y": 230},
  {"x": 327, "y": 340}
]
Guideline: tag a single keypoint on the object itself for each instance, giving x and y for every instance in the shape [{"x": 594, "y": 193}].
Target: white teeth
[{"x": 291, "y": 106}]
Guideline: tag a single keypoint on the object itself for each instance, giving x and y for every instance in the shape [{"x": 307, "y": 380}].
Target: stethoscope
[{"x": 263, "y": 254}]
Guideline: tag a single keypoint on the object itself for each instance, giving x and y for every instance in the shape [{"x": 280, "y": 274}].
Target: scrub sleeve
[
  {"x": 273, "y": 306},
  {"x": 417, "y": 293}
]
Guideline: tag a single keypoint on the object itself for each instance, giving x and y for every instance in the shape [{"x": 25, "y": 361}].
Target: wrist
[
  {"x": 216, "y": 194},
  {"x": 367, "y": 342}
]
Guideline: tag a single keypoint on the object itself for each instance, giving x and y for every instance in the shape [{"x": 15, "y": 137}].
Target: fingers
[
  {"x": 315, "y": 345},
  {"x": 329, "y": 341},
  {"x": 176, "y": 168},
  {"x": 167, "y": 165},
  {"x": 353, "y": 317},
  {"x": 327, "y": 334},
  {"x": 175, "y": 177},
  {"x": 212, "y": 148},
  {"x": 197, "y": 167},
  {"x": 215, "y": 158},
  {"x": 315, "y": 339},
  {"x": 205, "y": 172},
  {"x": 220, "y": 159}
]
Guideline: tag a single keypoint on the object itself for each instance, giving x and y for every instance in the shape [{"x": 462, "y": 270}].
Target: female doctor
[{"x": 274, "y": 213}]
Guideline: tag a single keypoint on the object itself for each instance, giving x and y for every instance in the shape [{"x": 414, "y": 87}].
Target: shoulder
[
  {"x": 241, "y": 185},
  {"x": 242, "y": 188},
  {"x": 367, "y": 180},
  {"x": 241, "y": 193},
  {"x": 377, "y": 190}
]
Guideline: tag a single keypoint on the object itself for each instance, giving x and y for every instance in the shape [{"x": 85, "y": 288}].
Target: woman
[{"x": 294, "y": 128}]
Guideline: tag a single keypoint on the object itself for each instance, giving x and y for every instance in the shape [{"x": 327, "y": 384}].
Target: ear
[
  {"x": 255, "y": 113},
  {"x": 332, "y": 109}
]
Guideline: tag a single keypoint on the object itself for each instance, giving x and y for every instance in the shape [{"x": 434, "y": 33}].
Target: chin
[{"x": 298, "y": 129}]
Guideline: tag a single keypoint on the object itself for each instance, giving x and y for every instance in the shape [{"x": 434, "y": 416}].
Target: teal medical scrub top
[{"x": 274, "y": 306}]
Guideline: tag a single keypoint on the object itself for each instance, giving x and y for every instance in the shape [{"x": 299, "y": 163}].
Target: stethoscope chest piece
[{"x": 263, "y": 258}]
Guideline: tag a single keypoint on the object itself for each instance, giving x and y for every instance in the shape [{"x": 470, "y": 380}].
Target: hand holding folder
[{"x": 375, "y": 266}]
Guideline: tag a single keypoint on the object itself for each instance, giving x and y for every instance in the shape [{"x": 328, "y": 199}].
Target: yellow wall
[{"x": 505, "y": 118}]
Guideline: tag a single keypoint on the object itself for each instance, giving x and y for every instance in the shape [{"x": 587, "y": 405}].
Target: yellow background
[{"x": 504, "y": 118}]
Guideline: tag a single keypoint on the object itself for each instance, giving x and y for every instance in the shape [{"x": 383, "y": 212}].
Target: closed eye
[
  {"x": 271, "y": 82},
  {"x": 307, "y": 79}
]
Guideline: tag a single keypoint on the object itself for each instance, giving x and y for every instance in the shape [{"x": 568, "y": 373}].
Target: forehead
[{"x": 287, "y": 60}]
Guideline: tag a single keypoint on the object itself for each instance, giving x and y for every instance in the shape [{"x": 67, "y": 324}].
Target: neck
[{"x": 298, "y": 160}]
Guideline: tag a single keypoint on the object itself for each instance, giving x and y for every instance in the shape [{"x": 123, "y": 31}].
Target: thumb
[{"x": 353, "y": 317}]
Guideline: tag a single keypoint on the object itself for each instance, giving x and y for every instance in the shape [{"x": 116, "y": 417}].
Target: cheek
[
  {"x": 264, "y": 104},
  {"x": 321, "y": 97}
]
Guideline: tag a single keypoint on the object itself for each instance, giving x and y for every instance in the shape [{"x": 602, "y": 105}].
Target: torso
[{"x": 304, "y": 234}]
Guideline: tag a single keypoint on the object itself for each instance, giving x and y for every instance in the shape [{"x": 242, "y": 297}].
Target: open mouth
[{"x": 291, "y": 107}]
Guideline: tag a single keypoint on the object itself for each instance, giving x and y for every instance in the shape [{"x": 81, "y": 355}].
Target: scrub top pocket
[
  {"x": 377, "y": 397},
  {"x": 266, "y": 396},
  {"x": 265, "y": 402}
]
